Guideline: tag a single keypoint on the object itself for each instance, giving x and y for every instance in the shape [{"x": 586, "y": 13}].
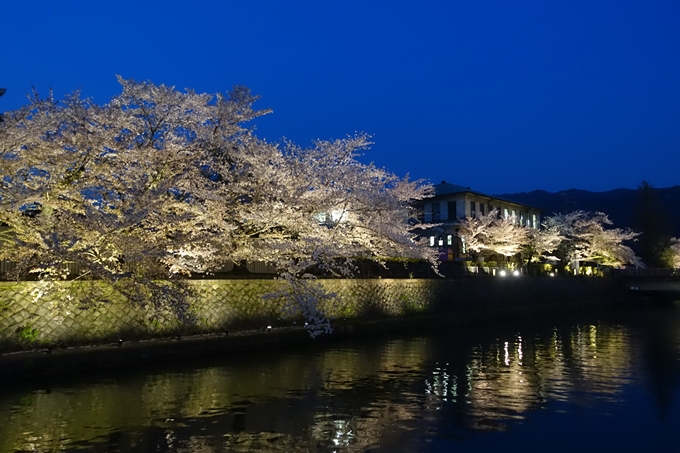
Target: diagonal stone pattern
[{"x": 33, "y": 314}]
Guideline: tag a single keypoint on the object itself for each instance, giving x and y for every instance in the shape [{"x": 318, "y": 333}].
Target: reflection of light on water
[
  {"x": 343, "y": 433},
  {"x": 337, "y": 432},
  {"x": 519, "y": 349},
  {"x": 468, "y": 381},
  {"x": 593, "y": 337},
  {"x": 438, "y": 384},
  {"x": 444, "y": 387},
  {"x": 371, "y": 395},
  {"x": 170, "y": 439},
  {"x": 507, "y": 355}
]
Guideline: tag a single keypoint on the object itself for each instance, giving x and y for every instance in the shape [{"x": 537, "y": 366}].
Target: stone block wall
[
  {"x": 33, "y": 314},
  {"x": 86, "y": 313}
]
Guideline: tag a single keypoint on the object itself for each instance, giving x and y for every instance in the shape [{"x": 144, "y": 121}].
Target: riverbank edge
[{"x": 40, "y": 364}]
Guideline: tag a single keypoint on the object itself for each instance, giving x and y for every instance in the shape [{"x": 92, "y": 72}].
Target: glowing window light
[
  {"x": 431, "y": 241},
  {"x": 337, "y": 216}
]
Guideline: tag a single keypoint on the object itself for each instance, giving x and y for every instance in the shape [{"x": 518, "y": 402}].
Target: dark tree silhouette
[{"x": 652, "y": 221}]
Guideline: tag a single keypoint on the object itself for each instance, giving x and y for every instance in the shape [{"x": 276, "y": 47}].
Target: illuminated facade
[{"x": 452, "y": 202}]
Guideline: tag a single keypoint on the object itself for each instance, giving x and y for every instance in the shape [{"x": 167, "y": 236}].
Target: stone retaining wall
[{"x": 32, "y": 315}]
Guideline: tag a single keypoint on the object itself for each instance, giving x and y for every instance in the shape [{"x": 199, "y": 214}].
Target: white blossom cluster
[
  {"x": 585, "y": 237},
  {"x": 493, "y": 234}
]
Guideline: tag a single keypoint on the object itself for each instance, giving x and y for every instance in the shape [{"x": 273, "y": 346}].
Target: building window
[
  {"x": 505, "y": 213},
  {"x": 449, "y": 239},
  {"x": 431, "y": 241},
  {"x": 463, "y": 244},
  {"x": 481, "y": 208},
  {"x": 452, "y": 210},
  {"x": 533, "y": 221},
  {"x": 441, "y": 242},
  {"x": 436, "y": 214},
  {"x": 472, "y": 209}
]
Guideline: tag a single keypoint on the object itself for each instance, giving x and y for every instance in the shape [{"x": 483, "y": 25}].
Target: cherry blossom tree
[
  {"x": 490, "y": 233},
  {"x": 506, "y": 237},
  {"x": 574, "y": 237},
  {"x": 159, "y": 183},
  {"x": 542, "y": 242},
  {"x": 672, "y": 254},
  {"x": 587, "y": 239},
  {"x": 474, "y": 232}
]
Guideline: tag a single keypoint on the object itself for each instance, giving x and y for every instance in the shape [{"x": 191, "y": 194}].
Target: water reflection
[{"x": 413, "y": 394}]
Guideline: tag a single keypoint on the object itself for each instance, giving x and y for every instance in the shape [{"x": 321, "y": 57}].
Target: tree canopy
[
  {"x": 585, "y": 237},
  {"x": 493, "y": 234}
]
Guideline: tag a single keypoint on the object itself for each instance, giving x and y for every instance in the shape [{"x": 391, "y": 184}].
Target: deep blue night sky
[{"x": 500, "y": 96}]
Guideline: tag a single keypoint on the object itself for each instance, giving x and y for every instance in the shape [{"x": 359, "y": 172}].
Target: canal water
[{"x": 588, "y": 382}]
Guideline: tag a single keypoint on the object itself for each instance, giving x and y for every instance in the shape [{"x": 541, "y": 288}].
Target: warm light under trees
[
  {"x": 574, "y": 237},
  {"x": 491, "y": 234},
  {"x": 585, "y": 238}
]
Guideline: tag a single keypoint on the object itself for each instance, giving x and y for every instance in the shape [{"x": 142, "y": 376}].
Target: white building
[{"x": 451, "y": 203}]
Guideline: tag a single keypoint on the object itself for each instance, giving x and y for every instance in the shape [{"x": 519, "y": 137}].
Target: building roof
[{"x": 445, "y": 188}]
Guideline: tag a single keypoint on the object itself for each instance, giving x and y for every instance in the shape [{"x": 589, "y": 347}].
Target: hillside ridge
[{"x": 619, "y": 204}]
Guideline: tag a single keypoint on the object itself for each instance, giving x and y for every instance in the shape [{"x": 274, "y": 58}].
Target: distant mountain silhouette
[{"x": 618, "y": 204}]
